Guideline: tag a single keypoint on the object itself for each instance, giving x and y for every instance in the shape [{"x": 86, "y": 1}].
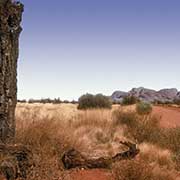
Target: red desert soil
[
  {"x": 170, "y": 116},
  {"x": 94, "y": 174}
]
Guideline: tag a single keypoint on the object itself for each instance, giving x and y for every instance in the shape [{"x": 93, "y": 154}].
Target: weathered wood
[
  {"x": 16, "y": 161},
  {"x": 10, "y": 18},
  {"x": 74, "y": 159}
]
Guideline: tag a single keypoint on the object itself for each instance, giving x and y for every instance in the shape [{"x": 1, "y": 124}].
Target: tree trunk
[{"x": 10, "y": 18}]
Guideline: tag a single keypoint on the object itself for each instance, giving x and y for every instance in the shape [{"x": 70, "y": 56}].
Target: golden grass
[
  {"x": 155, "y": 155},
  {"x": 93, "y": 129},
  {"x": 49, "y": 130}
]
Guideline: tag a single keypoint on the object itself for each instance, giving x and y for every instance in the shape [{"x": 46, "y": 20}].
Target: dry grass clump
[
  {"x": 139, "y": 169},
  {"x": 140, "y": 128},
  {"x": 147, "y": 129},
  {"x": 155, "y": 155},
  {"x": 47, "y": 139},
  {"x": 171, "y": 139},
  {"x": 132, "y": 170}
]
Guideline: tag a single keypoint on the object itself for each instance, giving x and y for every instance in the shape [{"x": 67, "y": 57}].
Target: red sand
[
  {"x": 170, "y": 116},
  {"x": 94, "y": 174}
]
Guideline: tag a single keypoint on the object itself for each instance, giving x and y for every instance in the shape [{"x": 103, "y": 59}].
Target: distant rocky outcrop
[
  {"x": 148, "y": 95},
  {"x": 178, "y": 96},
  {"x": 118, "y": 96}
]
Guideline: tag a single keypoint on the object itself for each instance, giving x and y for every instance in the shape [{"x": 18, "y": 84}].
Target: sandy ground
[
  {"x": 94, "y": 174},
  {"x": 170, "y": 116}
]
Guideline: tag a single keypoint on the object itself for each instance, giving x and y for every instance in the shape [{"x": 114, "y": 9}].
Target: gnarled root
[
  {"x": 74, "y": 159},
  {"x": 15, "y": 161}
]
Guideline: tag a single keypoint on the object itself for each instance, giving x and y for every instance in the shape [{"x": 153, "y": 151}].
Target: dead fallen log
[
  {"x": 15, "y": 161},
  {"x": 74, "y": 159}
]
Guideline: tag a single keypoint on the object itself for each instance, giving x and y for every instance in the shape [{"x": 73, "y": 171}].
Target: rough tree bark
[{"x": 10, "y": 18}]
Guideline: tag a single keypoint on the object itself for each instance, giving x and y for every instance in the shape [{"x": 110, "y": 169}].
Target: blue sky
[{"x": 70, "y": 47}]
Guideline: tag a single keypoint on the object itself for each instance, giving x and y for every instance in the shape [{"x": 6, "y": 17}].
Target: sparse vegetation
[
  {"x": 177, "y": 101},
  {"x": 147, "y": 129},
  {"x": 143, "y": 108},
  {"x": 143, "y": 129},
  {"x": 89, "y": 101},
  {"x": 45, "y": 101},
  {"x": 129, "y": 100}
]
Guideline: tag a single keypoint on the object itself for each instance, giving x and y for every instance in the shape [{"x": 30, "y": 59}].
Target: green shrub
[
  {"x": 89, "y": 101},
  {"x": 177, "y": 101},
  {"x": 143, "y": 108},
  {"x": 129, "y": 100}
]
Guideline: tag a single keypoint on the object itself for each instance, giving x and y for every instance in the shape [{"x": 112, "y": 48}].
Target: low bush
[
  {"x": 89, "y": 101},
  {"x": 177, "y": 101},
  {"x": 143, "y": 108},
  {"x": 129, "y": 100}
]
